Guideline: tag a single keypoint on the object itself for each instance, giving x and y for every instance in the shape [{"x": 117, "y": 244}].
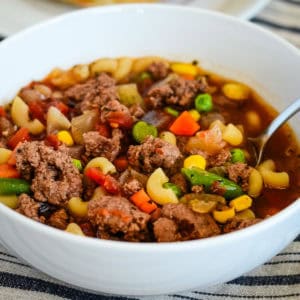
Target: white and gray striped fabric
[{"x": 276, "y": 279}]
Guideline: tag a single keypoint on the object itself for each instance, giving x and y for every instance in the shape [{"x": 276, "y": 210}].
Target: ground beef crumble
[
  {"x": 239, "y": 173},
  {"x": 94, "y": 93},
  {"x": 116, "y": 218},
  {"x": 184, "y": 224},
  {"x": 154, "y": 153},
  {"x": 59, "y": 219},
  {"x": 29, "y": 208},
  {"x": 98, "y": 145},
  {"x": 158, "y": 70},
  {"x": 177, "y": 91},
  {"x": 237, "y": 224},
  {"x": 54, "y": 177}
]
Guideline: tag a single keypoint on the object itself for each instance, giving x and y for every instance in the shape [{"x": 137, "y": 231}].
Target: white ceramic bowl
[{"x": 222, "y": 44}]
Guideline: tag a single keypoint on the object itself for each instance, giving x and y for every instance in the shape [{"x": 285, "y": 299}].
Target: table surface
[{"x": 276, "y": 279}]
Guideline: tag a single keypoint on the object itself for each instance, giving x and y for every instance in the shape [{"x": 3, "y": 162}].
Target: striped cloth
[{"x": 276, "y": 279}]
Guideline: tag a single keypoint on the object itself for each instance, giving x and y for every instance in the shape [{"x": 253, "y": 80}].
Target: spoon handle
[{"x": 283, "y": 117}]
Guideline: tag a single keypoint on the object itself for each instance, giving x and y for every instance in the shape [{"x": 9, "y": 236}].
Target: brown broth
[{"x": 283, "y": 148}]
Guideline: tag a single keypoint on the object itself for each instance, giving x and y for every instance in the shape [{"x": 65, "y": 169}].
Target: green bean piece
[
  {"x": 77, "y": 163},
  {"x": 175, "y": 188},
  {"x": 237, "y": 155},
  {"x": 197, "y": 176},
  {"x": 171, "y": 111},
  {"x": 11, "y": 186},
  {"x": 142, "y": 129},
  {"x": 203, "y": 103}
]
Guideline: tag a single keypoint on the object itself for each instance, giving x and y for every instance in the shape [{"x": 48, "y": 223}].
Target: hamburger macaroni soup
[{"x": 143, "y": 150}]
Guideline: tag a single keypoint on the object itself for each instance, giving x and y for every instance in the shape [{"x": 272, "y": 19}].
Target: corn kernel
[
  {"x": 195, "y": 114},
  {"x": 168, "y": 137},
  {"x": 4, "y": 155},
  {"x": 232, "y": 135},
  {"x": 182, "y": 68},
  {"x": 241, "y": 203},
  {"x": 235, "y": 91},
  {"x": 78, "y": 207},
  {"x": 195, "y": 161},
  {"x": 11, "y": 201},
  {"x": 74, "y": 229},
  {"x": 224, "y": 215},
  {"x": 65, "y": 137},
  {"x": 246, "y": 214}
]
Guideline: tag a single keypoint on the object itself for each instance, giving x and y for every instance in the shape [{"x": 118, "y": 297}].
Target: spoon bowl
[{"x": 259, "y": 142}]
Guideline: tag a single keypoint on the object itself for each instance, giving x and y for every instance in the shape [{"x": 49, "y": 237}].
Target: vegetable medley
[{"x": 143, "y": 150}]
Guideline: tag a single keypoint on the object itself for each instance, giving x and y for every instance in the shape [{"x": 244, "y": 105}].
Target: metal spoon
[{"x": 260, "y": 141}]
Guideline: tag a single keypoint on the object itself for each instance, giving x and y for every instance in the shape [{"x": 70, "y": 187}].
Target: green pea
[
  {"x": 203, "y": 103},
  {"x": 237, "y": 155},
  {"x": 171, "y": 111},
  {"x": 142, "y": 129},
  {"x": 175, "y": 188}
]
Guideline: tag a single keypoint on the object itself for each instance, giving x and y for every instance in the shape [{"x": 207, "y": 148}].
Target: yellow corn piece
[
  {"x": 4, "y": 155},
  {"x": 168, "y": 137},
  {"x": 182, "y": 68},
  {"x": 74, "y": 229},
  {"x": 195, "y": 161},
  {"x": 77, "y": 207},
  {"x": 224, "y": 215},
  {"x": 195, "y": 114},
  {"x": 232, "y": 135},
  {"x": 11, "y": 201},
  {"x": 246, "y": 214},
  {"x": 241, "y": 203},
  {"x": 235, "y": 91},
  {"x": 65, "y": 137}
]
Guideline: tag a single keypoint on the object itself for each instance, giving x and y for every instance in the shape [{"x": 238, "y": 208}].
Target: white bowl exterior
[{"x": 221, "y": 44}]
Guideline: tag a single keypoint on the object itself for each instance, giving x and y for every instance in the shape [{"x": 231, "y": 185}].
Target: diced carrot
[
  {"x": 143, "y": 201},
  {"x": 20, "y": 136},
  {"x": 185, "y": 125},
  {"x": 8, "y": 171},
  {"x": 148, "y": 207},
  {"x": 188, "y": 76},
  {"x": 2, "y": 111},
  {"x": 121, "y": 163},
  {"x": 12, "y": 159},
  {"x": 140, "y": 197}
]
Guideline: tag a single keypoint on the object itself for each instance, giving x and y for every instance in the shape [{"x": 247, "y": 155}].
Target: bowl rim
[{"x": 130, "y": 246}]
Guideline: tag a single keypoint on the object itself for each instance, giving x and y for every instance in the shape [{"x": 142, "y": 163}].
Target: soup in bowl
[{"x": 145, "y": 158}]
